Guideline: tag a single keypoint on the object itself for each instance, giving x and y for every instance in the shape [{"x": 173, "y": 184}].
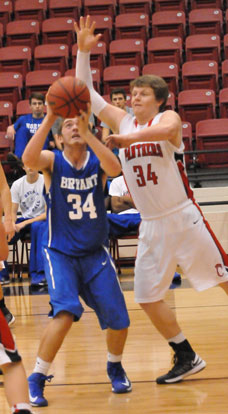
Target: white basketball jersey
[{"x": 156, "y": 181}]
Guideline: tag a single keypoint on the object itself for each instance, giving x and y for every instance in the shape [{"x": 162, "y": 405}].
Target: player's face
[
  {"x": 144, "y": 103},
  {"x": 70, "y": 134},
  {"x": 37, "y": 107},
  {"x": 118, "y": 100}
]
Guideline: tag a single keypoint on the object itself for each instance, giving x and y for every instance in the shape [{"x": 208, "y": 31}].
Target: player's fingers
[
  {"x": 93, "y": 27},
  {"x": 82, "y": 24},
  {"x": 76, "y": 28},
  {"x": 98, "y": 36},
  {"x": 87, "y": 23}
]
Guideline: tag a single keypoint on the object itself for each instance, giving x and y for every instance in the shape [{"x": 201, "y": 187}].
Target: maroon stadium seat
[
  {"x": 165, "y": 49},
  {"x": 119, "y": 76},
  {"x": 51, "y": 56},
  {"x": 106, "y": 7},
  {"x": 127, "y": 52},
  {"x": 203, "y": 21},
  {"x": 168, "y": 23},
  {"x": 23, "y": 33},
  {"x": 15, "y": 59},
  {"x": 196, "y": 104},
  {"x": 168, "y": 71},
  {"x": 203, "y": 47},
  {"x": 200, "y": 74},
  {"x": 212, "y": 134},
  {"x": 66, "y": 8},
  {"x": 10, "y": 87},
  {"x": 134, "y": 26},
  {"x": 39, "y": 81},
  {"x": 35, "y": 9}
]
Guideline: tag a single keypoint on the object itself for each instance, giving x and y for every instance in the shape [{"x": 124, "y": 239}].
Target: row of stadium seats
[
  {"x": 42, "y": 9},
  {"x": 171, "y": 23}
]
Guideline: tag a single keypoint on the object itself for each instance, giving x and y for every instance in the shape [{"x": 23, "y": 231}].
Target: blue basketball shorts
[{"x": 93, "y": 278}]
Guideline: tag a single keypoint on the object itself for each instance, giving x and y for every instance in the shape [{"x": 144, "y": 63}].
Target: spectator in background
[
  {"x": 123, "y": 217},
  {"x": 118, "y": 98},
  {"x": 26, "y": 126},
  {"x": 27, "y": 196}
]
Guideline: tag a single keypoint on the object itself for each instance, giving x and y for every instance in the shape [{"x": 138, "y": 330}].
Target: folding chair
[
  {"x": 66, "y": 8},
  {"x": 6, "y": 9},
  {"x": 200, "y": 74},
  {"x": 6, "y": 114},
  {"x": 165, "y": 49},
  {"x": 203, "y": 47},
  {"x": 126, "y": 52},
  {"x": 119, "y": 76},
  {"x": 39, "y": 81},
  {"x": 51, "y": 56},
  {"x": 168, "y": 23},
  {"x": 135, "y": 6},
  {"x": 196, "y": 104},
  {"x": 127, "y": 241},
  {"x": 15, "y": 59},
  {"x": 212, "y": 134},
  {"x": 223, "y": 103},
  {"x": 23, "y": 33},
  {"x": 168, "y": 71},
  {"x": 59, "y": 30},
  {"x": 99, "y": 7},
  {"x": 35, "y": 9},
  {"x": 202, "y": 21},
  {"x": 135, "y": 26},
  {"x": 165, "y": 5},
  {"x": 10, "y": 87}
]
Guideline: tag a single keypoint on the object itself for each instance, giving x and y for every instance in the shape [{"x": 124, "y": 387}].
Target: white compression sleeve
[{"x": 83, "y": 72}]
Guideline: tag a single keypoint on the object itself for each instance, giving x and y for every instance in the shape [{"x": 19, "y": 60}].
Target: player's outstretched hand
[
  {"x": 49, "y": 110},
  {"x": 86, "y": 39},
  {"x": 83, "y": 121},
  {"x": 117, "y": 141}
]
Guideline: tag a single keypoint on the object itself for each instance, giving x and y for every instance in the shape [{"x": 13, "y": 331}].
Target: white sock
[
  {"x": 114, "y": 358},
  {"x": 178, "y": 338},
  {"x": 41, "y": 366},
  {"x": 21, "y": 406}
]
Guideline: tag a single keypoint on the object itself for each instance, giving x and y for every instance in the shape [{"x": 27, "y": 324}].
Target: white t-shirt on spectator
[
  {"x": 29, "y": 196},
  {"x": 118, "y": 188}
]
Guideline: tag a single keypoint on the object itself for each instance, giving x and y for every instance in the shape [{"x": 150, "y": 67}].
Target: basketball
[{"x": 67, "y": 95}]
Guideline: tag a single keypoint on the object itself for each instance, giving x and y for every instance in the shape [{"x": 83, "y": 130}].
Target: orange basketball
[{"x": 67, "y": 95}]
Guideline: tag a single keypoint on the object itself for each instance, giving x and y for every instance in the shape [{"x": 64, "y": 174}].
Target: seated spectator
[
  {"x": 26, "y": 126},
  {"x": 27, "y": 195},
  {"x": 123, "y": 217}
]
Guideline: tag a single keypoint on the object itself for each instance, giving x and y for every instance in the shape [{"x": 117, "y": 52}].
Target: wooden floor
[{"x": 80, "y": 383}]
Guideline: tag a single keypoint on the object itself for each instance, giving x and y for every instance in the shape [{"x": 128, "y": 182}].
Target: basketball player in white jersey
[{"x": 173, "y": 230}]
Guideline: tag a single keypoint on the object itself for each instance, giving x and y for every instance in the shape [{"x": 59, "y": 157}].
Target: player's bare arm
[
  {"x": 5, "y": 197},
  {"x": 169, "y": 128},
  {"x": 109, "y": 162},
  {"x": 86, "y": 40}
]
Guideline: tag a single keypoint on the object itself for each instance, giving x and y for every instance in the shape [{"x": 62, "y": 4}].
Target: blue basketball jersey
[{"x": 77, "y": 220}]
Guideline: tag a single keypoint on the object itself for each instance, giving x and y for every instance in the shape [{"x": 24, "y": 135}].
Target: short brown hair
[
  {"x": 156, "y": 83},
  {"x": 37, "y": 95}
]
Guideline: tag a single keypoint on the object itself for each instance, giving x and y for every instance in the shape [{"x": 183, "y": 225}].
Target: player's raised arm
[
  {"x": 86, "y": 39},
  {"x": 109, "y": 162},
  {"x": 33, "y": 156}
]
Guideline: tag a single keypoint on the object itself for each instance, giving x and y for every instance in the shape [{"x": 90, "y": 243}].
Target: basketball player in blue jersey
[
  {"x": 77, "y": 260},
  {"x": 173, "y": 230}
]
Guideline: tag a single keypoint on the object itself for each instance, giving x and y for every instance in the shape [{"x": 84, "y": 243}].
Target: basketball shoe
[
  {"x": 118, "y": 378},
  {"x": 185, "y": 363},
  {"x": 36, "y": 382},
  {"x": 10, "y": 319}
]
